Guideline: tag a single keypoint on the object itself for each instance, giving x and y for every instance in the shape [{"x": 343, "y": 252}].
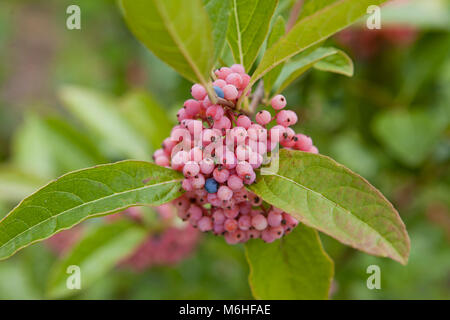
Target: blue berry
[
  {"x": 219, "y": 92},
  {"x": 211, "y": 185}
]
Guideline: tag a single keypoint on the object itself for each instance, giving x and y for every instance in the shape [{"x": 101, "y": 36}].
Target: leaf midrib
[
  {"x": 178, "y": 42},
  {"x": 345, "y": 210},
  {"x": 238, "y": 29},
  {"x": 259, "y": 76},
  {"x": 81, "y": 205}
]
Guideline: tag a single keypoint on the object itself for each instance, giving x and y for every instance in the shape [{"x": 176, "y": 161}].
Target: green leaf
[
  {"x": 176, "y": 31},
  {"x": 85, "y": 194},
  {"x": 97, "y": 253},
  {"x": 219, "y": 12},
  {"x": 249, "y": 25},
  {"x": 16, "y": 184},
  {"x": 329, "y": 197},
  {"x": 102, "y": 116},
  {"x": 330, "y": 18},
  {"x": 147, "y": 116},
  {"x": 278, "y": 30},
  {"x": 324, "y": 58},
  {"x": 31, "y": 152},
  {"x": 293, "y": 268},
  {"x": 409, "y": 136}
]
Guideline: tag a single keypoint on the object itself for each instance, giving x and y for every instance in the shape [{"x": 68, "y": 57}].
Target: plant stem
[
  {"x": 258, "y": 96},
  {"x": 295, "y": 12}
]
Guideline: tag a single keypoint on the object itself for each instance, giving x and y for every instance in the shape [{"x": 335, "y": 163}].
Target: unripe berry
[
  {"x": 267, "y": 236},
  {"x": 235, "y": 183},
  {"x": 221, "y": 174},
  {"x": 238, "y": 68},
  {"x": 274, "y": 219},
  {"x": 198, "y": 92},
  {"x": 230, "y": 225},
  {"x": 278, "y": 102},
  {"x": 245, "y": 222},
  {"x": 220, "y": 83},
  {"x": 162, "y": 161},
  {"x": 244, "y": 121},
  {"x": 234, "y": 79},
  {"x": 187, "y": 185},
  {"x": 259, "y": 222},
  {"x": 198, "y": 181},
  {"x": 205, "y": 224},
  {"x": 314, "y": 150},
  {"x": 230, "y": 92},
  {"x": 263, "y": 117},
  {"x": 216, "y": 112},
  {"x": 192, "y": 107},
  {"x": 224, "y": 193},
  {"x": 286, "y": 118},
  {"x": 302, "y": 142},
  {"x": 207, "y": 166},
  {"x": 218, "y": 216},
  {"x": 191, "y": 169}
]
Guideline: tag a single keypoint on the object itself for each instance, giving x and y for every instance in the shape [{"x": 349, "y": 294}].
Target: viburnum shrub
[{"x": 234, "y": 164}]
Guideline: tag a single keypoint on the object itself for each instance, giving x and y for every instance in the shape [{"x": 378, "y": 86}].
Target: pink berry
[
  {"x": 259, "y": 222},
  {"x": 207, "y": 166},
  {"x": 238, "y": 68},
  {"x": 267, "y": 236},
  {"x": 302, "y": 142},
  {"x": 230, "y": 225},
  {"x": 263, "y": 117},
  {"x": 222, "y": 123},
  {"x": 253, "y": 234},
  {"x": 205, "y": 224},
  {"x": 198, "y": 92},
  {"x": 314, "y": 150},
  {"x": 234, "y": 79},
  {"x": 243, "y": 168},
  {"x": 220, "y": 83},
  {"x": 245, "y": 222},
  {"x": 276, "y": 232},
  {"x": 191, "y": 169},
  {"x": 218, "y": 216},
  {"x": 235, "y": 183},
  {"x": 278, "y": 102},
  {"x": 187, "y": 185},
  {"x": 230, "y": 91},
  {"x": 232, "y": 212},
  {"x": 192, "y": 107},
  {"x": 243, "y": 121},
  {"x": 198, "y": 181},
  {"x": 162, "y": 161},
  {"x": 274, "y": 219},
  {"x": 224, "y": 193},
  {"x": 216, "y": 112},
  {"x": 195, "y": 212},
  {"x": 224, "y": 72},
  {"x": 277, "y": 132},
  {"x": 221, "y": 174}
]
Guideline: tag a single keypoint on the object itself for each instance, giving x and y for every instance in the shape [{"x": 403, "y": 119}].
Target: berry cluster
[
  {"x": 168, "y": 246},
  {"x": 218, "y": 149},
  {"x": 163, "y": 249}
]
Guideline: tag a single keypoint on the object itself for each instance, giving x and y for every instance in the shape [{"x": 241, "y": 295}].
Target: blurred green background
[{"x": 75, "y": 98}]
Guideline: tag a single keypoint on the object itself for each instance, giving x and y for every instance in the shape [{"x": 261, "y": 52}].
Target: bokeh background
[{"x": 69, "y": 98}]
